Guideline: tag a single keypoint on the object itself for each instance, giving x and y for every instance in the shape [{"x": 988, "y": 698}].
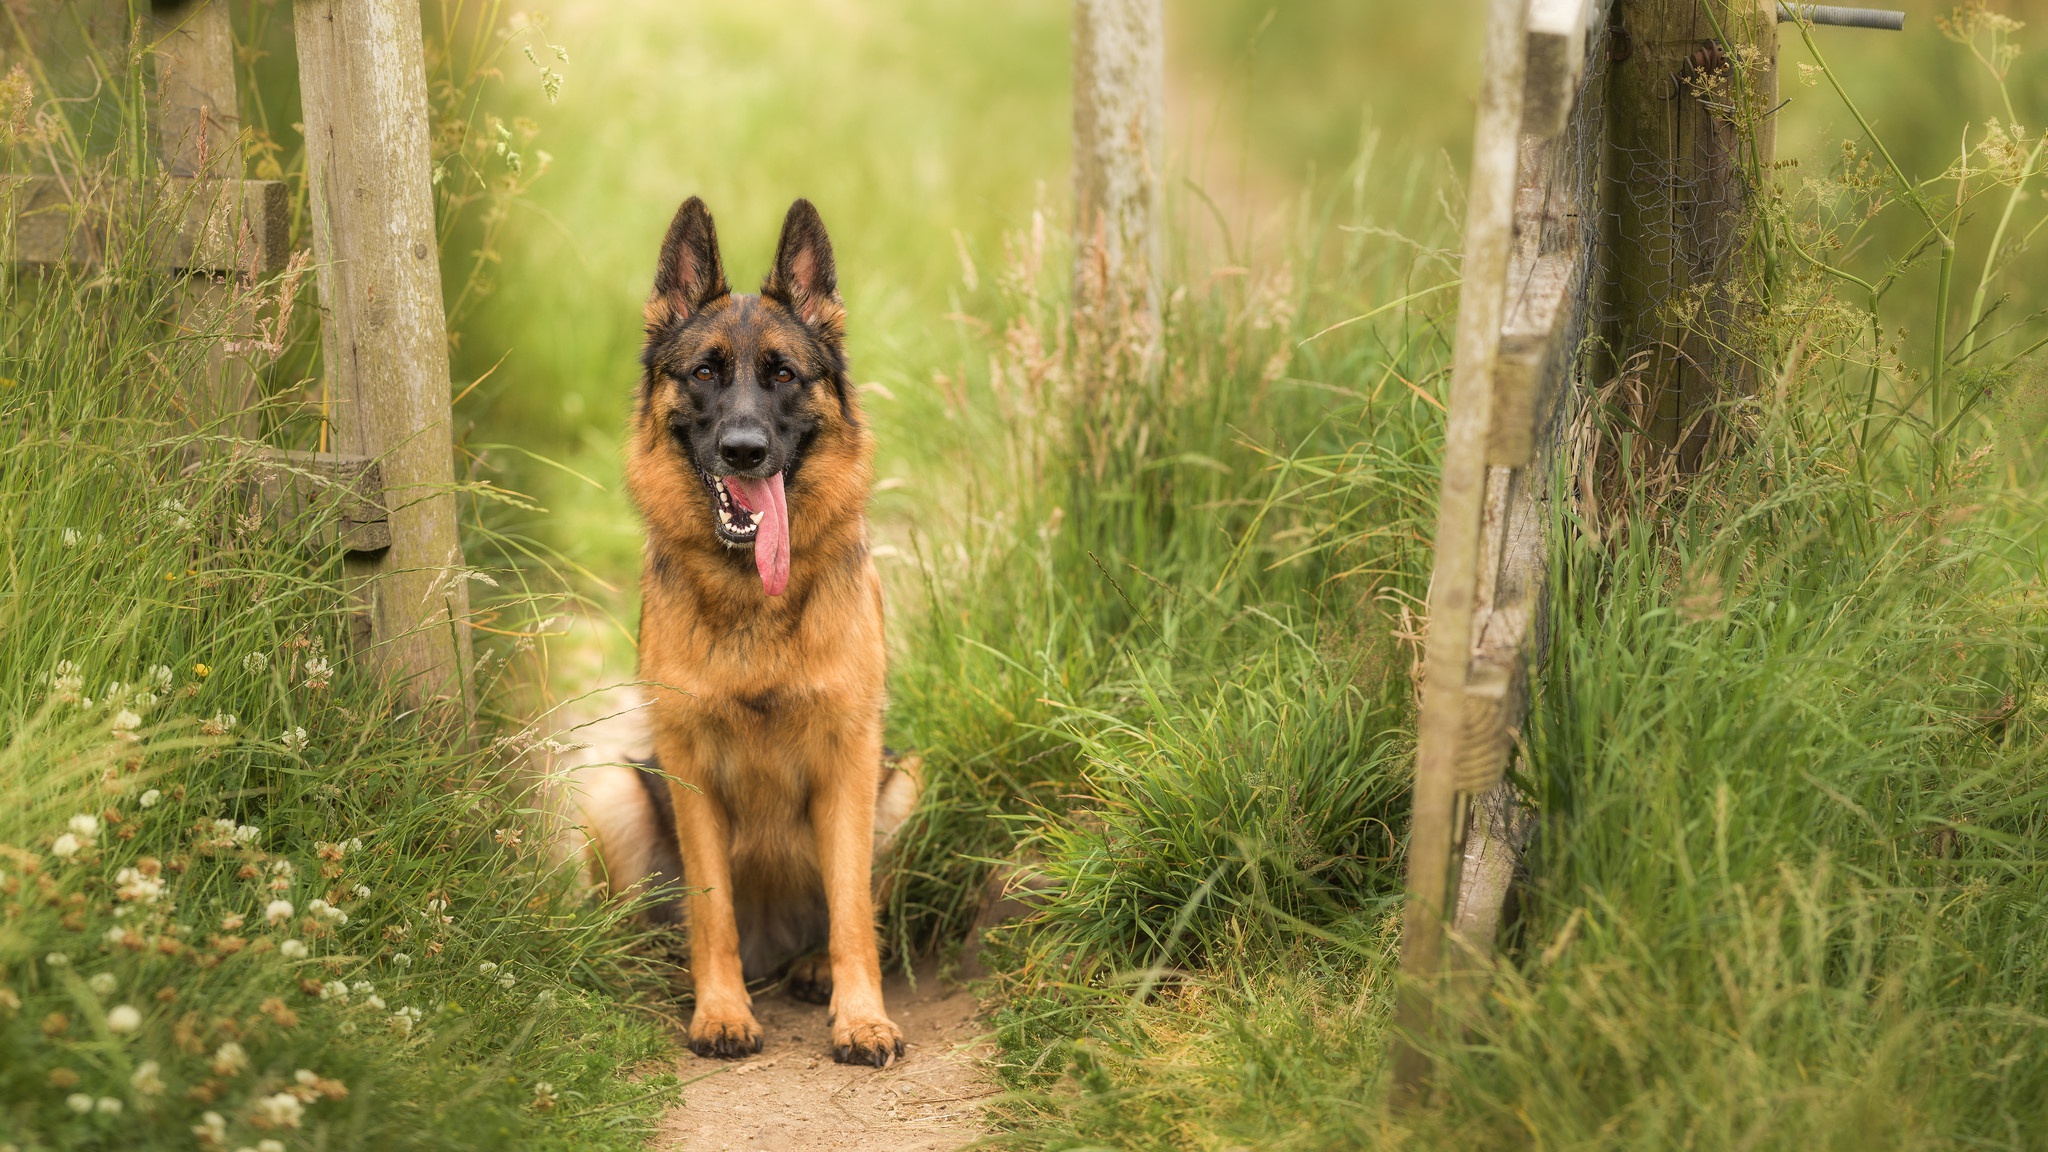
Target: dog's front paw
[
  {"x": 726, "y": 1035},
  {"x": 876, "y": 1041}
]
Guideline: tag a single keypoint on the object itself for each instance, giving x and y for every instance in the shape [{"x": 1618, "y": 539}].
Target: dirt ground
[{"x": 794, "y": 1098}]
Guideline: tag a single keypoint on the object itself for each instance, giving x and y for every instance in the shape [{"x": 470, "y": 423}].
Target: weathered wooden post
[
  {"x": 1119, "y": 117},
  {"x": 1432, "y": 856},
  {"x": 199, "y": 141},
  {"x": 1692, "y": 94},
  {"x": 384, "y": 334}
]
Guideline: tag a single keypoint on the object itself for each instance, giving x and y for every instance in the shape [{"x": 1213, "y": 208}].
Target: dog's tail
[{"x": 631, "y": 843}]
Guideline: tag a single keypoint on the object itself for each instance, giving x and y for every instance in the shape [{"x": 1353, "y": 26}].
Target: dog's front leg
[
  {"x": 723, "y": 1023},
  {"x": 843, "y": 819}
]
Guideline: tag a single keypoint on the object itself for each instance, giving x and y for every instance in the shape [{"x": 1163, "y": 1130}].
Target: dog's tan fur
[{"x": 767, "y": 711}]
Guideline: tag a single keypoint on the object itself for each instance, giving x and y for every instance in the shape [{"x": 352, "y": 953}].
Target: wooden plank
[
  {"x": 1556, "y": 52},
  {"x": 223, "y": 226},
  {"x": 384, "y": 335},
  {"x": 1432, "y": 845},
  {"x": 1507, "y": 633},
  {"x": 218, "y": 224},
  {"x": 1533, "y": 359},
  {"x": 198, "y": 121},
  {"x": 1501, "y": 827},
  {"x": 333, "y": 500}
]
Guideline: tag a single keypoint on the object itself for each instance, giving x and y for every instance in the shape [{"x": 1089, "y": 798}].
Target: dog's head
[{"x": 739, "y": 391}]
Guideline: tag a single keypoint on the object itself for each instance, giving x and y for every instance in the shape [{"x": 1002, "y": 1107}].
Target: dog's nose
[{"x": 743, "y": 449}]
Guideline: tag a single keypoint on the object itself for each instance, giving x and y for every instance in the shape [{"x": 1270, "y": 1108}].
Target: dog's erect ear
[
  {"x": 690, "y": 274},
  {"x": 804, "y": 279}
]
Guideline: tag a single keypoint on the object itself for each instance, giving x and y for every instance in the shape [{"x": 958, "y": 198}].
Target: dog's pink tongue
[{"x": 771, "y": 533}]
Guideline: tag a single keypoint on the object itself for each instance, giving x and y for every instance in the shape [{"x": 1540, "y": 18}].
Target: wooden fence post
[
  {"x": 1119, "y": 117},
  {"x": 384, "y": 333},
  {"x": 1690, "y": 135},
  {"x": 1454, "y": 588},
  {"x": 199, "y": 138}
]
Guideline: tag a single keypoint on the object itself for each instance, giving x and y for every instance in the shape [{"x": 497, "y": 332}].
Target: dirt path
[{"x": 794, "y": 1098}]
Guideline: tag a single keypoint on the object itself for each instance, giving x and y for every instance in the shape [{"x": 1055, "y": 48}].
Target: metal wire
[{"x": 1840, "y": 17}]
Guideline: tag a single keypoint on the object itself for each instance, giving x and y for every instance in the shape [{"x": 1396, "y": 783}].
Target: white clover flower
[
  {"x": 277, "y": 912},
  {"x": 487, "y": 967},
  {"x": 224, "y": 827},
  {"x": 115, "y": 691},
  {"x": 57, "y": 960},
  {"x": 284, "y": 868},
  {"x": 374, "y": 1001},
  {"x": 507, "y": 980},
  {"x": 103, "y": 984},
  {"x": 78, "y": 1102},
  {"x": 220, "y": 724},
  {"x": 149, "y": 799},
  {"x": 143, "y": 701},
  {"x": 247, "y": 834},
  {"x": 362, "y": 987},
  {"x": 125, "y": 723},
  {"x": 546, "y": 998},
  {"x": 123, "y": 1019},
  {"x": 292, "y": 950},
  {"x": 64, "y": 847},
  {"x": 255, "y": 663},
  {"x": 147, "y": 1079},
  {"x": 401, "y": 960},
  {"x": 280, "y": 1111},
  {"x": 352, "y": 844},
  {"x": 85, "y": 827},
  {"x": 294, "y": 740},
  {"x": 117, "y": 935},
  {"x": 72, "y": 538},
  {"x": 318, "y": 671},
  {"x": 134, "y": 885},
  {"x": 212, "y": 1128},
  {"x": 66, "y": 683},
  {"x": 160, "y": 675},
  {"x": 362, "y": 891},
  {"x": 230, "y": 1059},
  {"x": 402, "y": 1021},
  {"x": 107, "y": 1106},
  {"x": 334, "y": 990},
  {"x": 270, "y": 1146},
  {"x": 327, "y": 912}
]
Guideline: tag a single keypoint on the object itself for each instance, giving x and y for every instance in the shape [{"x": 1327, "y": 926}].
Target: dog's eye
[
  {"x": 784, "y": 375},
  {"x": 703, "y": 372}
]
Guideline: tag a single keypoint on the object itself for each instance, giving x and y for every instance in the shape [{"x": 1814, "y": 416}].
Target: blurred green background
[{"x": 926, "y": 130}]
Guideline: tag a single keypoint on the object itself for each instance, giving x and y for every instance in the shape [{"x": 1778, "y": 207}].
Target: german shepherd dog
[{"x": 761, "y": 631}]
